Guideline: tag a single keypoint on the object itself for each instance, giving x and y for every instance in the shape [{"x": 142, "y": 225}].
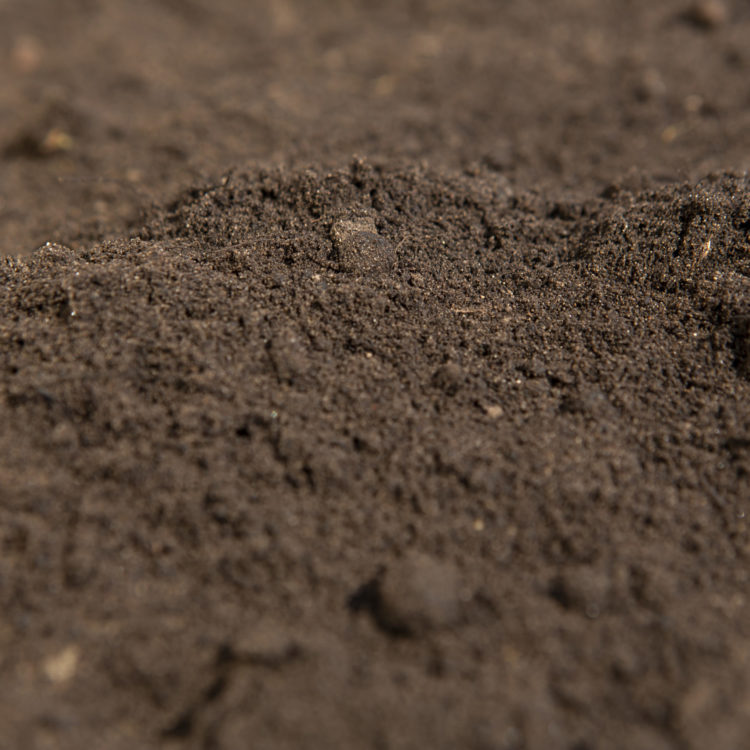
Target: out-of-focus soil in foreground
[{"x": 381, "y": 378}]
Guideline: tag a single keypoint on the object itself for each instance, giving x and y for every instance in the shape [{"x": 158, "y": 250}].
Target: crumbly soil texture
[{"x": 374, "y": 375}]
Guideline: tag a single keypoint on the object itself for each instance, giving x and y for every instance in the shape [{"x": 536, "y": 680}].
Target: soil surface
[{"x": 381, "y": 375}]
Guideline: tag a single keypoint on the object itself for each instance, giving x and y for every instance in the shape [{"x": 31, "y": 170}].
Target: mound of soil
[{"x": 447, "y": 445}]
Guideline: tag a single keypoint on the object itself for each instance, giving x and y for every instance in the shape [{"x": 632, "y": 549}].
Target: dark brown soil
[{"x": 382, "y": 376}]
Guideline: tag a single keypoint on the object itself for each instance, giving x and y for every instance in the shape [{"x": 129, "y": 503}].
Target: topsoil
[{"x": 381, "y": 378}]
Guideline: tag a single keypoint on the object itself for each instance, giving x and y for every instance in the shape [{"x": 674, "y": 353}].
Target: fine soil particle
[{"x": 381, "y": 378}]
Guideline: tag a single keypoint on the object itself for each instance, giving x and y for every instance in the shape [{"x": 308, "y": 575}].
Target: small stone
[
  {"x": 360, "y": 249},
  {"x": 418, "y": 594},
  {"x": 708, "y": 14},
  {"x": 493, "y": 411},
  {"x": 62, "y": 666},
  {"x": 56, "y": 140}
]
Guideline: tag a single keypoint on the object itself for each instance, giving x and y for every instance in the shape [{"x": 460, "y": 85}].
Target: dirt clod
[
  {"x": 449, "y": 378},
  {"x": 583, "y": 589},
  {"x": 360, "y": 249},
  {"x": 418, "y": 594}
]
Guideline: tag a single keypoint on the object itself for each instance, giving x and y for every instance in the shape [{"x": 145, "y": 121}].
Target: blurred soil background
[{"x": 109, "y": 106}]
